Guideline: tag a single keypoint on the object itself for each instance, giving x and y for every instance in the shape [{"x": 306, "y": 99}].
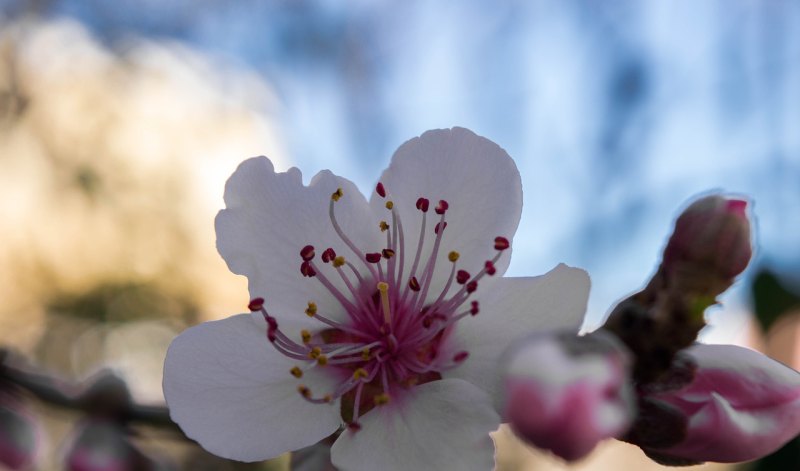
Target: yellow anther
[
  {"x": 338, "y": 261},
  {"x": 337, "y": 194},
  {"x": 453, "y": 256},
  {"x": 381, "y": 399},
  {"x": 305, "y": 335},
  {"x": 360, "y": 373},
  {"x": 384, "y": 226},
  {"x": 304, "y": 391},
  {"x": 322, "y": 360},
  {"x": 365, "y": 354},
  {"x": 315, "y": 353},
  {"x": 383, "y": 287},
  {"x": 311, "y": 310},
  {"x": 389, "y": 205},
  {"x": 327, "y": 398},
  {"x": 297, "y": 372}
]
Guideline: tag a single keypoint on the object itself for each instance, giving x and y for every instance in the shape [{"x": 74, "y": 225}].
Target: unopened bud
[{"x": 711, "y": 236}]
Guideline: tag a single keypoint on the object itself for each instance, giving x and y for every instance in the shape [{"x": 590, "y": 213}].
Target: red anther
[
  {"x": 381, "y": 190},
  {"x": 271, "y": 323},
  {"x": 441, "y": 207},
  {"x": 271, "y": 336},
  {"x": 462, "y": 276},
  {"x": 460, "y": 356},
  {"x": 354, "y": 427},
  {"x": 373, "y": 257},
  {"x": 422, "y": 204},
  {"x": 307, "y": 270},
  {"x": 490, "y": 269},
  {"x": 473, "y": 310},
  {"x": 307, "y": 253},
  {"x": 440, "y": 226},
  {"x": 413, "y": 284},
  {"x": 387, "y": 253},
  {"x": 328, "y": 255},
  {"x": 501, "y": 243},
  {"x": 256, "y": 304},
  {"x": 472, "y": 286}
]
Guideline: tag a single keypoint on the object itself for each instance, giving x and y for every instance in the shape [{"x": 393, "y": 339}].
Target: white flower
[{"x": 365, "y": 312}]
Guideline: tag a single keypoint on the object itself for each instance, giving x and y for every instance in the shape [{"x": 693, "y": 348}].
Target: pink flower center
[{"x": 392, "y": 335}]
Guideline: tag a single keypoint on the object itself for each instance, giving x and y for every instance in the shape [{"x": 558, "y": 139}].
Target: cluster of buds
[{"x": 643, "y": 379}]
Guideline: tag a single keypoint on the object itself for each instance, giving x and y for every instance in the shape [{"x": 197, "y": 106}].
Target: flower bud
[
  {"x": 740, "y": 406},
  {"x": 711, "y": 236},
  {"x": 565, "y": 393}
]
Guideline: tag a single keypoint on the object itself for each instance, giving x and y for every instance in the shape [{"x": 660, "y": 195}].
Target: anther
[
  {"x": 311, "y": 310},
  {"x": 501, "y": 243},
  {"x": 389, "y": 205},
  {"x": 384, "y": 226},
  {"x": 354, "y": 426},
  {"x": 490, "y": 268},
  {"x": 460, "y": 356},
  {"x": 422, "y": 204},
  {"x": 462, "y": 276},
  {"x": 307, "y": 253},
  {"x": 453, "y": 256},
  {"x": 305, "y": 335},
  {"x": 473, "y": 310},
  {"x": 322, "y": 360},
  {"x": 387, "y": 253},
  {"x": 441, "y": 207},
  {"x": 373, "y": 257},
  {"x": 413, "y": 284},
  {"x": 327, "y": 398},
  {"x": 440, "y": 226},
  {"x": 304, "y": 391},
  {"x": 365, "y": 354},
  {"x": 256, "y": 304},
  {"x": 380, "y": 190},
  {"x": 307, "y": 270},
  {"x": 338, "y": 261},
  {"x": 328, "y": 255},
  {"x": 315, "y": 353},
  {"x": 337, "y": 194},
  {"x": 472, "y": 286},
  {"x": 360, "y": 373},
  {"x": 296, "y": 372},
  {"x": 381, "y": 399}
]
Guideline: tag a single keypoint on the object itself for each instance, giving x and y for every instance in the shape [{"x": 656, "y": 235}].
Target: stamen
[
  {"x": 328, "y": 255},
  {"x": 337, "y": 195},
  {"x": 296, "y": 372},
  {"x": 384, "y": 290},
  {"x": 305, "y": 335},
  {"x": 462, "y": 277},
  {"x": 384, "y": 226},
  {"x": 256, "y": 304},
  {"x": 442, "y": 207},
  {"x": 380, "y": 190},
  {"x": 373, "y": 257},
  {"x": 453, "y": 256},
  {"x": 389, "y": 204},
  {"x": 307, "y": 253},
  {"x": 490, "y": 268},
  {"x": 311, "y": 310},
  {"x": 501, "y": 243},
  {"x": 381, "y": 399}
]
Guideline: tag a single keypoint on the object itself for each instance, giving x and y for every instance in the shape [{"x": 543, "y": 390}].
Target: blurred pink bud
[
  {"x": 713, "y": 233},
  {"x": 566, "y": 393},
  {"x": 18, "y": 434},
  {"x": 101, "y": 445},
  {"x": 742, "y": 405}
]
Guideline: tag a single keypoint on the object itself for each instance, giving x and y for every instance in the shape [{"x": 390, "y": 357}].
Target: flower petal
[
  {"x": 230, "y": 390},
  {"x": 742, "y": 405},
  {"x": 438, "y": 425},
  {"x": 475, "y": 176},
  {"x": 271, "y": 216},
  {"x": 511, "y": 310}
]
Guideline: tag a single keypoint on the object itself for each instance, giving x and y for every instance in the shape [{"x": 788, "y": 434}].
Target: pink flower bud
[
  {"x": 566, "y": 393},
  {"x": 712, "y": 234},
  {"x": 742, "y": 405}
]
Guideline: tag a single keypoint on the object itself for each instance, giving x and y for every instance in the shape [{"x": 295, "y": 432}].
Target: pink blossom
[
  {"x": 741, "y": 405},
  {"x": 566, "y": 393},
  {"x": 383, "y": 319}
]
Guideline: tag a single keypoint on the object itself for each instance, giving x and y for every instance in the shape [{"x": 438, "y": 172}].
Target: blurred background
[{"x": 120, "y": 122}]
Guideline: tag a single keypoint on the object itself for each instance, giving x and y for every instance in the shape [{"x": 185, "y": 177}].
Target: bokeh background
[{"x": 120, "y": 122}]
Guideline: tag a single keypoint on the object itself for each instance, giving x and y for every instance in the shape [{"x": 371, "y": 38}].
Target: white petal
[
  {"x": 229, "y": 389},
  {"x": 475, "y": 176},
  {"x": 271, "y": 216},
  {"x": 511, "y": 310},
  {"x": 438, "y": 426}
]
